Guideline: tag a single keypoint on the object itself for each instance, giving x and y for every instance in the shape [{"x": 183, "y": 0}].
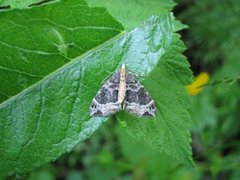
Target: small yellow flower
[{"x": 197, "y": 85}]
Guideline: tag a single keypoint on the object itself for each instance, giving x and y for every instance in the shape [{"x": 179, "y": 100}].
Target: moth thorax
[{"x": 122, "y": 84}]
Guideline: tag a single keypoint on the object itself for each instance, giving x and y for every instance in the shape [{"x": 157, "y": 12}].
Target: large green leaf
[
  {"x": 37, "y": 41},
  {"x": 133, "y": 13},
  {"x": 50, "y": 117},
  {"x": 131, "y": 16}
]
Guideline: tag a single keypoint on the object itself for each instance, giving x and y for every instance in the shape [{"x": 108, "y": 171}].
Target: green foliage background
[
  {"x": 52, "y": 64},
  {"x": 213, "y": 40}
]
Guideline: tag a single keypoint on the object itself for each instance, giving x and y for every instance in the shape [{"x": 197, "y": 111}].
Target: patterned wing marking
[
  {"x": 138, "y": 100},
  {"x": 106, "y": 102}
]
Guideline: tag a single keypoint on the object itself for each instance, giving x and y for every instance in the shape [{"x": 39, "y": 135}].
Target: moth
[{"x": 122, "y": 92}]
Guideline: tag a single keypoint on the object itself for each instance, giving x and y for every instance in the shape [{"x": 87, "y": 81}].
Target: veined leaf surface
[
  {"x": 35, "y": 42},
  {"x": 49, "y": 118}
]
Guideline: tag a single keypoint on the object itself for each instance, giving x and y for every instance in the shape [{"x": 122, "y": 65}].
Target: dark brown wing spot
[
  {"x": 113, "y": 86},
  {"x": 115, "y": 78},
  {"x": 143, "y": 97},
  {"x": 130, "y": 78},
  {"x": 147, "y": 114},
  {"x": 131, "y": 96},
  {"x": 114, "y": 96},
  {"x": 103, "y": 96},
  {"x": 152, "y": 107},
  {"x": 98, "y": 113},
  {"x": 107, "y": 96},
  {"x": 132, "y": 86}
]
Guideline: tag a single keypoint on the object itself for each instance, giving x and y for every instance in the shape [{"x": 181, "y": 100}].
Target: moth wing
[
  {"x": 138, "y": 100},
  {"x": 106, "y": 102}
]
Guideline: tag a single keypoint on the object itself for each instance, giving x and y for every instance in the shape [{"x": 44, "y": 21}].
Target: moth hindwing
[{"x": 122, "y": 92}]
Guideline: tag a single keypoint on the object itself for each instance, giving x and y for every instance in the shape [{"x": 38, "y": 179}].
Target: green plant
[
  {"x": 213, "y": 41},
  {"x": 55, "y": 57}
]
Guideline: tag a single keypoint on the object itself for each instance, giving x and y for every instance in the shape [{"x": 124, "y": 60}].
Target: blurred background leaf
[{"x": 213, "y": 40}]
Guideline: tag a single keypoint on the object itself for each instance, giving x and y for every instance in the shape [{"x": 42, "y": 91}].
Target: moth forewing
[
  {"x": 106, "y": 101},
  {"x": 137, "y": 99}
]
